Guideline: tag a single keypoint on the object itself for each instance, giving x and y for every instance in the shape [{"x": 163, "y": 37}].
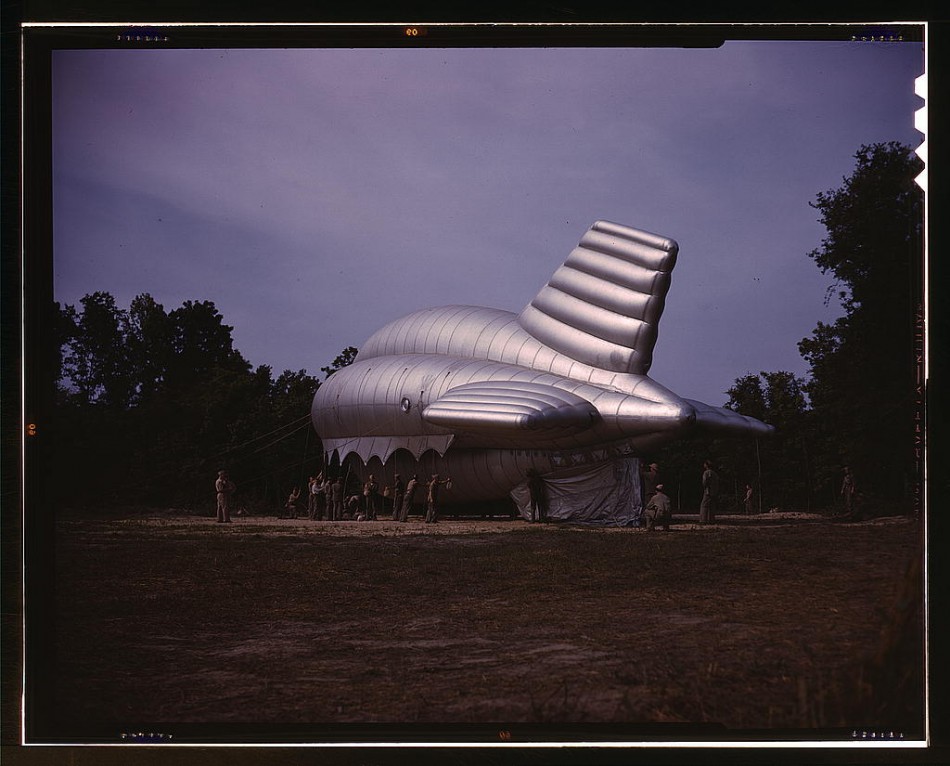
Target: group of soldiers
[
  {"x": 327, "y": 500},
  {"x": 658, "y": 508}
]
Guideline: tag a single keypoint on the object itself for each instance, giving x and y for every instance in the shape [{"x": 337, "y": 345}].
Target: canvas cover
[{"x": 603, "y": 494}]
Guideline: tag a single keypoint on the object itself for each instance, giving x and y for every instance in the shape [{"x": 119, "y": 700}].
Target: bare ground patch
[{"x": 755, "y": 622}]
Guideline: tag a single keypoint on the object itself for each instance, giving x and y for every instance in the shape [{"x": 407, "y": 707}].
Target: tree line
[
  {"x": 861, "y": 403},
  {"x": 151, "y": 403}
]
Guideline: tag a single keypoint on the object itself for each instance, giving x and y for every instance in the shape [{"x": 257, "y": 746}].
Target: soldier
[
  {"x": 848, "y": 490},
  {"x": 292, "y": 503},
  {"x": 432, "y": 498},
  {"x": 407, "y": 500},
  {"x": 336, "y": 500},
  {"x": 537, "y": 493},
  {"x": 224, "y": 488},
  {"x": 311, "y": 496},
  {"x": 649, "y": 477},
  {"x": 399, "y": 491},
  {"x": 314, "y": 486},
  {"x": 710, "y": 502},
  {"x": 371, "y": 493},
  {"x": 323, "y": 507},
  {"x": 658, "y": 510}
]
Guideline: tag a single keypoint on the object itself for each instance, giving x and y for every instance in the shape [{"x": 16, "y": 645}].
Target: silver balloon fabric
[
  {"x": 603, "y": 305},
  {"x": 483, "y": 395}
]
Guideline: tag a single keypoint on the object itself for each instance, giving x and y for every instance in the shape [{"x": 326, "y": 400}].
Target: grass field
[{"x": 757, "y": 622}]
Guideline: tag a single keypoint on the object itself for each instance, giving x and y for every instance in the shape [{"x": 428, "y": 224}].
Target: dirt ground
[{"x": 169, "y": 622}]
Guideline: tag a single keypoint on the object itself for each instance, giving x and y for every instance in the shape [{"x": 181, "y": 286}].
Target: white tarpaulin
[{"x": 603, "y": 494}]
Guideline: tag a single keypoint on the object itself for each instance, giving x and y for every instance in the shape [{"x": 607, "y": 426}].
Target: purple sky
[{"x": 314, "y": 195}]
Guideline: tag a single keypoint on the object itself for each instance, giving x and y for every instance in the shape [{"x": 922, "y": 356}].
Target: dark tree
[
  {"x": 345, "y": 358},
  {"x": 148, "y": 337},
  {"x": 778, "y": 467},
  {"x": 201, "y": 343},
  {"x": 874, "y": 222},
  {"x": 151, "y": 404},
  {"x": 747, "y": 397},
  {"x": 65, "y": 327},
  {"x": 863, "y": 375},
  {"x": 292, "y": 394},
  {"x": 95, "y": 358}
]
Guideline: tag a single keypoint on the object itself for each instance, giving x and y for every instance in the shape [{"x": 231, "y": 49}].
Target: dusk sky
[{"x": 314, "y": 195}]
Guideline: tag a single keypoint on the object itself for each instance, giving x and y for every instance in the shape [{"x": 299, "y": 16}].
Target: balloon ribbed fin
[{"x": 603, "y": 305}]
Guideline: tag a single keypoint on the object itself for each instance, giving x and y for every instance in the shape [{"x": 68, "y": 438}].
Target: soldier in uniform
[
  {"x": 709, "y": 505},
  {"x": 649, "y": 476},
  {"x": 537, "y": 493},
  {"x": 399, "y": 491},
  {"x": 407, "y": 500},
  {"x": 311, "y": 496},
  {"x": 371, "y": 493},
  {"x": 316, "y": 498},
  {"x": 322, "y": 500},
  {"x": 336, "y": 500},
  {"x": 432, "y": 498},
  {"x": 224, "y": 488},
  {"x": 648, "y": 481},
  {"x": 848, "y": 490},
  {"x": 658, "y": 510},
  {"x": 292, "y": 503}
]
